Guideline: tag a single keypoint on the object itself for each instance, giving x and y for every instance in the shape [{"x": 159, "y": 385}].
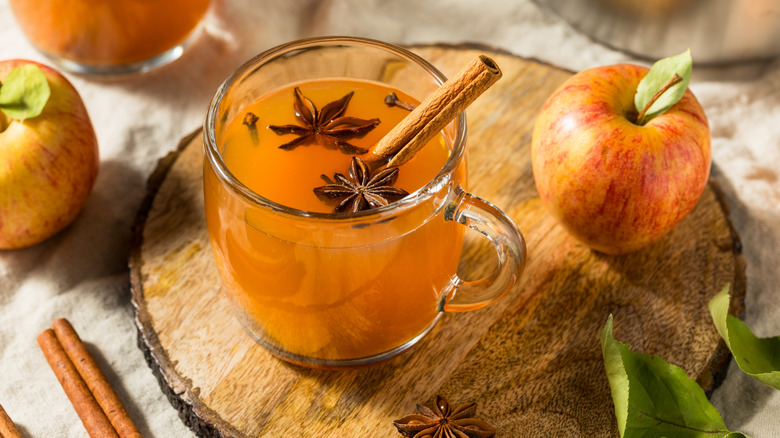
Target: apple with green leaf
[
  {"x": 48, "y": 153},
  {"x": 621, "y": 154}
]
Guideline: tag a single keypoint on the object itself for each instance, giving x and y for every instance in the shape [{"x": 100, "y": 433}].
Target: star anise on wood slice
[
  {"x": 443, "y": 422},
  {"x": 327, "y": 126},
  {"x": 361, "y": 190}
]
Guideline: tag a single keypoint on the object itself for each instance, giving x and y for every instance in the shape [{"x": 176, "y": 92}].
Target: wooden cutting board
[{"x": 532, "y": 361}]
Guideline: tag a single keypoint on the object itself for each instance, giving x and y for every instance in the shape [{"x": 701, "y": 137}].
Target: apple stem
[{"x": 674, "y": 80}]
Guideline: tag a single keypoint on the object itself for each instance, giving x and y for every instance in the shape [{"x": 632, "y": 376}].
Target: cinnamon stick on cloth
[
  {"x": 95, "y": 402},
  {"x": 7, "y": 427},
  {"x": 434, "y": 113}
]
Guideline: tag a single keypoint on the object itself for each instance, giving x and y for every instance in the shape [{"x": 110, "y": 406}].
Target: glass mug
[
  {"x": 347, "y": 289},
  {"x": 109, "y": 36}
]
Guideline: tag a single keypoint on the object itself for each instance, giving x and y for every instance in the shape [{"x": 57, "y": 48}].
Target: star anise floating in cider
[
  {"x": 327, "y": 126},
  {"x": 444, "y": 422},
  {"x": 361, "y": 190}
]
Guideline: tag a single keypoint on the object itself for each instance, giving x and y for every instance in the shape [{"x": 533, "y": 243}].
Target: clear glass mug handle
[{"x": 508, "y": 241}]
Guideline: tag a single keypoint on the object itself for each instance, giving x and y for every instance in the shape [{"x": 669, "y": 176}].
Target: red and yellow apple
[
  {"x": 48, "y": 163},
  {"x": 613, "y": 184}
]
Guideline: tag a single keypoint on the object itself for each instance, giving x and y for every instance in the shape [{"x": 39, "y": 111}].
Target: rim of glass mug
[{"x": 226, "y": 177}]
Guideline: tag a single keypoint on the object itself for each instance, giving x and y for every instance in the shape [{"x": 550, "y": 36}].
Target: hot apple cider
[
  {"x": 312, "y": 287},
  {"x": 100, "y": 32}
]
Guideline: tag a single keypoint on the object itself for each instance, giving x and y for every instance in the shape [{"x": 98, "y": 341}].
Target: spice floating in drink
[
  {"x": 250, "y": 121},
  {"x": 327, "y": 127},
  {"x": 306, "y": 130},
  {"x": 393, "y": 100},
  {"x": 362, "y": 190}
]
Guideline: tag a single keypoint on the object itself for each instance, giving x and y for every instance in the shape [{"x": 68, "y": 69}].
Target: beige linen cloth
[{"x": 82, "y": 273}]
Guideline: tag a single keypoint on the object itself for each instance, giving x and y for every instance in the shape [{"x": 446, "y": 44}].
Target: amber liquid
[
  {"x": 107, "y": 32},
  {"x": 315, "y": 288}
]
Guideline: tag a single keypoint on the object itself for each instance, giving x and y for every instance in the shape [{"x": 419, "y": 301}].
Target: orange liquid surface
[
  {"x": 327, "y": 292},
  {"x": 288, "y": 177},
  {"x": 107, "y": 32}
]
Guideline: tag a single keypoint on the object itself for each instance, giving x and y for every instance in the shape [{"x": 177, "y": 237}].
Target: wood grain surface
[{"x": 532, "y": 361}]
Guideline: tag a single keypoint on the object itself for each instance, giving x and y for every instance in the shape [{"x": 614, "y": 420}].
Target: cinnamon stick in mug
[{"x": 434, "y": 113}]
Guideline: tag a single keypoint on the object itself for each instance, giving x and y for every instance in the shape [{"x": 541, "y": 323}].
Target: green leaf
[
  {"x": 660, "y": 73},
  {"x": 24, "y": 92},
  {"x": 758, "y": 357},
  {"x": 655, "y": 399}
]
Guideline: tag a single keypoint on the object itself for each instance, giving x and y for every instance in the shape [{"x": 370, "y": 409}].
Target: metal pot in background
[{"x": 717, "y": 31}]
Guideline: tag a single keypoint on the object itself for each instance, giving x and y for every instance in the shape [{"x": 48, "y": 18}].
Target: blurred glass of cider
[{"x": 109, "y": 36}]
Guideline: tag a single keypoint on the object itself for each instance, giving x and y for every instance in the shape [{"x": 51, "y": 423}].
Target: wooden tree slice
[{"x": 532, "y": 361}]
